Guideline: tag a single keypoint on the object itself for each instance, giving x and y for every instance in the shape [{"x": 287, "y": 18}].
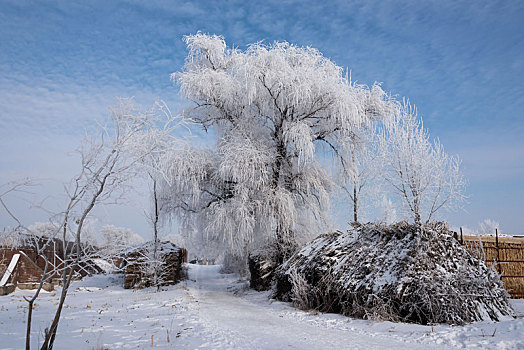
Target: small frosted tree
[
  {"x": 420, "y": 172},
  {"x": 273, "y": 108},
  {"x": 362, "y": 182},
  {"x": 159, "y": 137},
  {"x": 387, "y": 211},
  {"x": 115, "y": 239},
  {"x": 109, "y": 159},
  {"x": 50, "y": 229},
  {"x": 44, "y": 229},
  {"x": 489, "y": 227}
]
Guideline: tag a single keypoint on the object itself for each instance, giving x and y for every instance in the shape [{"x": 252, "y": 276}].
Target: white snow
[
  {"x": 10, "y": 269},
  {"x": 217, "y": 311},
  {"x": 105, "y": 265}
]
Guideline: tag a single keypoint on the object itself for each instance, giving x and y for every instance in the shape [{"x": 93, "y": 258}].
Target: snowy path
[
  {"x": 245, "y": 324},
  {"x": 216, "y": 311}
]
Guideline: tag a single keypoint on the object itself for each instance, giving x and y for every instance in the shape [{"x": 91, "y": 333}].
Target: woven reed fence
[{"x": 506, "y": 254}]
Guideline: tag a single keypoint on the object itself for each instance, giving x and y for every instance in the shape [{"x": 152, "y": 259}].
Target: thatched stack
[
  {"x": 401, "y": 272},
  {"x": 140, "y": 265}
]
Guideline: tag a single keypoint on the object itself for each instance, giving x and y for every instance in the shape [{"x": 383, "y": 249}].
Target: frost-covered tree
[
  {"x": 109, "y": 159},
  {"x": 273, "y": 108},
  {"x": 44, "y": 229},
  {"x": 89, "y": 235},
  {"x": 420, "y": 172},
  {"x": 51, "y": 229},
  {"x": 387, "y": 211},
  {"x": 159, "y": 136},
  {"x": 115, "y": 239},
  {"x": 488, "y": 227},
  {"x": 362, "y": 183}
]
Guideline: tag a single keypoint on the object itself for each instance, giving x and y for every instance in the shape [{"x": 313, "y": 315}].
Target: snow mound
[{"x": 401, "y": 272}]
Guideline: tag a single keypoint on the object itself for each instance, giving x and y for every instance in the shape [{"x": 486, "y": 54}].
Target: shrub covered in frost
[{"x": 402, "y": 272}]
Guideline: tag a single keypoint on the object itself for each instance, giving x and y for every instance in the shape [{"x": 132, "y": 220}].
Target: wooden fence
[{"x": 506, "y": 254}]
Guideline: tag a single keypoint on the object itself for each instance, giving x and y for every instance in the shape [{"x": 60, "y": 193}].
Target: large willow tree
[{"x": 276, "y": 111}]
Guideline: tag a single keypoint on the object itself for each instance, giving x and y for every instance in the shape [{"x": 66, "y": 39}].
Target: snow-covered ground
[{"x": 216, "y": 311}]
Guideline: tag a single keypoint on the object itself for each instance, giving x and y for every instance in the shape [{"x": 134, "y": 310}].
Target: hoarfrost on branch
[
  {"x": 419, "y": 171},
  {"x": 273, "y": 108}
]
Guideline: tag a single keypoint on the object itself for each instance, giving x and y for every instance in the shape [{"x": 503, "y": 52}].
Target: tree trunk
[
  {"x": 355, "y": 198},
  {"x": 418, "y": 220},
  {"x": 28, "y": 331},
  {"x": 355, "y": 203},
  {"x": 284, "y": 244},
  {"x": 155, "y": 233},
  {"x": 50, "y": 333},
  {"x": 32, "y": 300}
]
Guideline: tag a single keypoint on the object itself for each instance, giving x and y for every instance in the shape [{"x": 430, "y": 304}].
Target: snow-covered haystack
[
  {"x": 400, "y": 272},
  {"x": 140, "y": 265}
]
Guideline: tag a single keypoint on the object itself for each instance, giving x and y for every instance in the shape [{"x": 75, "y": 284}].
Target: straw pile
[
  {"x": 140, "y": 266},
  {"x": 402, "y": 272}
]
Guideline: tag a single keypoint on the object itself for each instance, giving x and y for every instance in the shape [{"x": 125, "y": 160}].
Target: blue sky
[{"x": 461, "y": 62}]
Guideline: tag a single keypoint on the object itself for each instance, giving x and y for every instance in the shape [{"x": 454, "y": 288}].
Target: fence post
[
  {"x": 499, "y": 268},
  {"x": 461, "y": 237},
  {"x": 498, "y": 252}
]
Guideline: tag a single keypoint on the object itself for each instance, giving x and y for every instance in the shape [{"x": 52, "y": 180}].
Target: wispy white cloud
[{"x": 460, "y": 62}]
